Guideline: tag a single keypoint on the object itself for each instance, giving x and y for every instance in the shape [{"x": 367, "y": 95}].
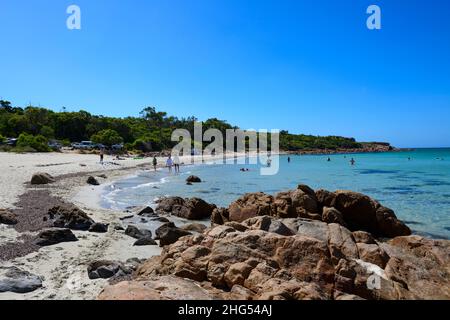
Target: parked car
[
  {"x": 84, "y": 145},
  {"x": 54, "y": 144},
  {"x": 117, "y": 147},
  {"x": 11, "y": 142}
]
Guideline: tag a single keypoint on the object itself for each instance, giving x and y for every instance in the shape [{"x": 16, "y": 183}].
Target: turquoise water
[{"x": 418, "y": 190}]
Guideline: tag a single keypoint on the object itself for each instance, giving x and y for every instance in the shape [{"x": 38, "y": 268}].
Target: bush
[
  {"x": 47, "y": 132},
  {"x": 38, "y": 143},
  {"x": 107, "y": 137},
  {"x": 2, "y": 139}
]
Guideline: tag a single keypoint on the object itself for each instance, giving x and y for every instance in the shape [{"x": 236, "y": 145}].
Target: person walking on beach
[
  {"x": 102, "y": 155},
  {"x": 169, "y": 163},
  {"x": 155, "y": 163},
  {"x": 176, "y": 163},
  {"x": 352, "y": 162}
]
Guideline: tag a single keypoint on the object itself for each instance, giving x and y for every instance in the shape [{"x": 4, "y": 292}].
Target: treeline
[{"x": 151, "y": 131}]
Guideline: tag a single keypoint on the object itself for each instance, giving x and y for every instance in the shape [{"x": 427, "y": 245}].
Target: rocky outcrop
[
  {"x": 193, "y": 179},
  {"x": 16, "y": 280},
  {"x": 350, "y": 209},
  {"x": 71, "y": 217},
  {"x": 48, "y": 237},
  {"x": 192, "y": 209},
  {"x": 7, "y": 217},
  {"x": 295, "y": 258},
  {"x": 41, "y": 178}
]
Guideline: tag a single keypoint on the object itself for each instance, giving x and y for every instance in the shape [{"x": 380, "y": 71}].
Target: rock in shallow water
[{"x": 18, "y": 281}]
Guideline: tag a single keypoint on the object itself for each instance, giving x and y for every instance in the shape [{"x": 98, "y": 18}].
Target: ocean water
[{"x": 418, "y": 190}]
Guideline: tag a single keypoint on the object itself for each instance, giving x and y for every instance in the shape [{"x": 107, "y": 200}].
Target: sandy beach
[{"x": 63, "y": 267}]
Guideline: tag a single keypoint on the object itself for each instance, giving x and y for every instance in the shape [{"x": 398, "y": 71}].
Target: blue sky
[{"x": 307, "y": 66}]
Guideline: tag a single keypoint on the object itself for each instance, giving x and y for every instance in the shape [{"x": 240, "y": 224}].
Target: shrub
[
  {"x": 107, "y": 137},
  {"x": 38, "y": 143},
  {"x": 47, "y": 132}
]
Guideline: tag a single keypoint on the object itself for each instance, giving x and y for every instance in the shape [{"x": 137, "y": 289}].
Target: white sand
[{"x": 64, "y": 266}]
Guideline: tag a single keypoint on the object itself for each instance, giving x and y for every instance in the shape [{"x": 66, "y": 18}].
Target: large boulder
[
  {"x": 192, "y": 209},
  {"x": 360, "y": 212},
  {"x": 251, "y": 205},
  {"x": 137, "y": 233},
  {"x": 48, "y": 237},
  {"x": 69, "y": 216},
  {"x": 421, "y": 264},
  {"x": 98, "y": 228},
  {"x": 145, "y": 241},
  {"x": 7, "y": 217},
  {"x": 162, "y": 288},
  {"x": 41, "y": 178},
  {"x": 104, "y": 269},
  {"x": 16, "y": 280},
  {"x": 168, "y": 233}
]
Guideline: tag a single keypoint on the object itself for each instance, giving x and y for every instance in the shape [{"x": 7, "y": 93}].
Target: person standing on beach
[
  {"x": 176, "y": 163},
  {"x": 102, "y": 155},
  {"x": 169, "y": 163},
  {"x": 155, "y": 163}
]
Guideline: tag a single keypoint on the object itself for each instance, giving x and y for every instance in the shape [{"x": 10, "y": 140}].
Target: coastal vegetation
[{"x": 150, "y": 131}]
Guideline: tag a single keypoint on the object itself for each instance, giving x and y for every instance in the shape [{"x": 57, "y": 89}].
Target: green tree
[{"x": 107, "y": 137}]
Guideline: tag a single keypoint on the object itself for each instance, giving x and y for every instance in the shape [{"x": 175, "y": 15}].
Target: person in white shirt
[{"x": 176, "y": 163}]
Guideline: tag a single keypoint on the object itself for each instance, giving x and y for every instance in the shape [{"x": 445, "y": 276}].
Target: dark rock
[
  {"x": 18, "y": 281},
  {"x": 137, "y": 233},
  {"x": 161, "y": 219},
  {"x": 363, "y": 213},
  {"x": 126, "y": 217},
  {"x": 70, "y": 217},
  {"x": 92, "y": 181},
  {"x": 145, "y": 241},
  {"x": 53, "y": 236},
  {"x": 146, "y": 212},
  {"x": 103, "y": 269},
  {"x": 99, "y": 228},
  {"x": 41, "y": 178},
  {"x": 332, "y": 215},
  {"x": 168, "y": 233},
  {"x": 193, "y": 179},
  {"x": 192, "y": 209},
  {"x": 189, "y": 183},
  {"x": 7, "y": 217},
  {"x": 220, "y": 216}
]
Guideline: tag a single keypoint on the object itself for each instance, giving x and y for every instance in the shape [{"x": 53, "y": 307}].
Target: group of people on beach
[{"x": 170, "y": 163}]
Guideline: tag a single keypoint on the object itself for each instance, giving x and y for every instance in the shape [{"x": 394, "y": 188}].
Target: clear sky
[{"x": 308, "y": 66}]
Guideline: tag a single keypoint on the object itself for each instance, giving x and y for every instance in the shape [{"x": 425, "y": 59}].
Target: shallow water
[{"x": 417, "y": 189}]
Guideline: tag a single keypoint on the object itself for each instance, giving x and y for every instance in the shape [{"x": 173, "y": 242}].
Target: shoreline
[{"x": 63, "y": 266}]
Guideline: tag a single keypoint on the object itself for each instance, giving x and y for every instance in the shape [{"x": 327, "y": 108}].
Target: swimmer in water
[{"x": 352, "y": 162}]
